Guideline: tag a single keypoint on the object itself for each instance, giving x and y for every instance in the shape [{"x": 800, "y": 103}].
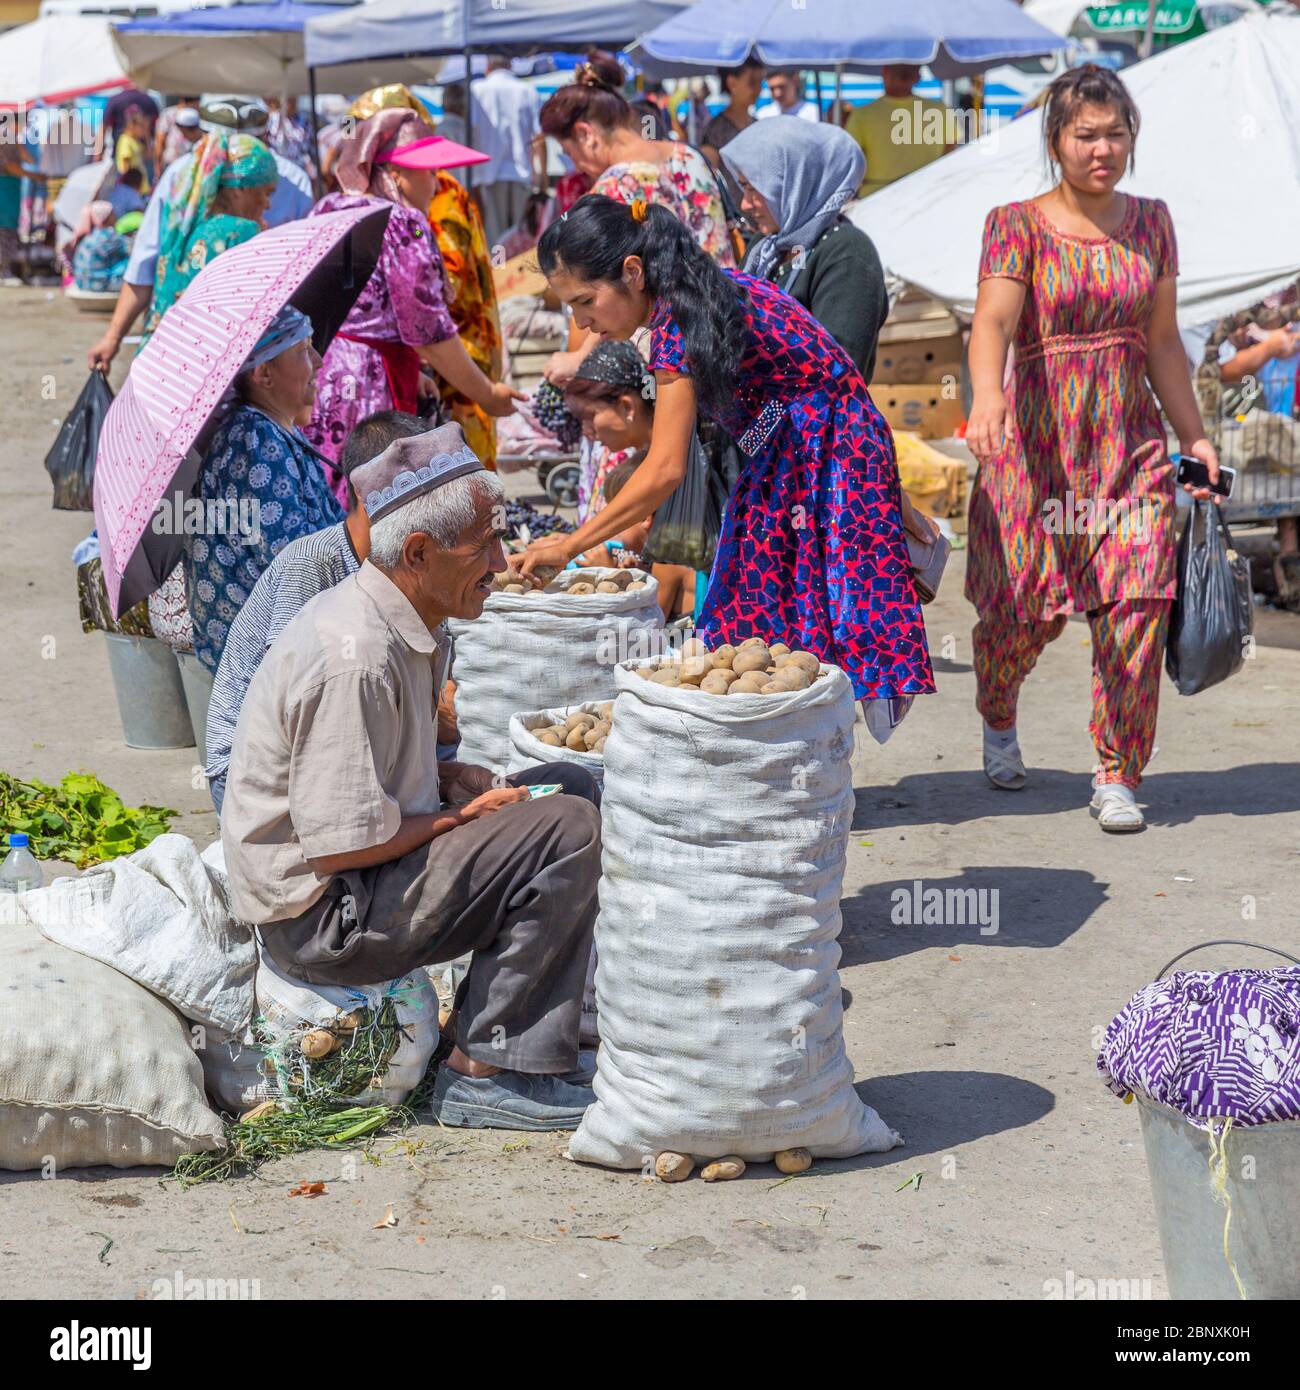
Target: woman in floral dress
[
  {"x": 812, "y": 551},
  {"x": 1073, "y": 507},
  {"x": 401, "y": 320}
]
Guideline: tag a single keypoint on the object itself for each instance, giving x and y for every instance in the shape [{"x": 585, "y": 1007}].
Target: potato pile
[
  {"x": 584, "y": 733},
  {"x": 752, "y": 668},
  {"x": 627, "y": 582}
]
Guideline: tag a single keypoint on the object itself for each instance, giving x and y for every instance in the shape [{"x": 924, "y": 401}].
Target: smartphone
[
  {"x": 1192, "y": 470},
  {"x": 544, "y": 789}
]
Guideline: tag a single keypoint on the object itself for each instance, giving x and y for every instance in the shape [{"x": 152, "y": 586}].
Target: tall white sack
[
  {"x": 531, "y": 652},
  {"x": 725, "y": 823}
]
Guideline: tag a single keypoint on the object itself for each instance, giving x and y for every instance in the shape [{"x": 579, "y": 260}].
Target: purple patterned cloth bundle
[{"x": 1211, "y": 1045}]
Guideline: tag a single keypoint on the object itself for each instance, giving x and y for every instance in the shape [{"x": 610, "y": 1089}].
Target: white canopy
[
  {"x": 1220, "y": 143},
  {"x": 56, "y": 59}
]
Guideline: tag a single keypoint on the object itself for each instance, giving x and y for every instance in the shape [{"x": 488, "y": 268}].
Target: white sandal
[
  {"x": 1116, "y": 808},
  {"x": 1003, "y": 765}
]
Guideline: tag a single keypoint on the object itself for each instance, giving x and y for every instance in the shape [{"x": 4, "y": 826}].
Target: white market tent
[
  {"x": 1220, "y": 143},
  {"x": 57, "y": 58}
]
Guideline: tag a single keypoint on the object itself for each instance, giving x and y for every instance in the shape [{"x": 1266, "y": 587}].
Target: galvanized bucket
[
  {"x": 197, "y": 681},
  {"x": 1261, "y": 1206},
  {"x": 150, "y": 698}
]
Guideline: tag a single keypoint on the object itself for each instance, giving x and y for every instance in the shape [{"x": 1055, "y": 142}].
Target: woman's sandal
[
  {"x": 1116, "y": 808},
  {"x": 1004, "y": 766}
]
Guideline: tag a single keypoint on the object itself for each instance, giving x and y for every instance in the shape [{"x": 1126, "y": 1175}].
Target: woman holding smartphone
[{"x": 1073, "y": 507}]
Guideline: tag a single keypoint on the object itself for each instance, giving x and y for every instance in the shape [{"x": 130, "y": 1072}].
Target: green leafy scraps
[{"x": 81, "y": 820}]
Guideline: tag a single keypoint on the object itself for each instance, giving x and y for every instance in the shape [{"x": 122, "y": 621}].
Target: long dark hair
[
  {"x": 595, "y": 237},
  {"x": 1089, "y": 85}
]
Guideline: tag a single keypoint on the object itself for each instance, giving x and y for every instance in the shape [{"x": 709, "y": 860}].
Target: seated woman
[
  {"x": 219, "y": 203},
  {"x": 98, "y": 253},
  {"x": 612, "y": 393},
  {"x": 258, "y": 453}
]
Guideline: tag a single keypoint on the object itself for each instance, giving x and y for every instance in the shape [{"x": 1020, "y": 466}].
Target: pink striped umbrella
[{"x": 151, "y": 442}]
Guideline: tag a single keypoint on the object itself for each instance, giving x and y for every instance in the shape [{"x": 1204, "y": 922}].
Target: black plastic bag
[
  {"x": 688, "y": 522},
  {"x": 71, "y": 461},
  {"x": 1213, "y": 614}
]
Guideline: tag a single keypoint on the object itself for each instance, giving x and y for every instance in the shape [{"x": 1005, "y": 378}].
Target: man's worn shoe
[
  {"x": 585, "y": 1072},
  {"x": 507, "y": 1100},
  {"x": 1116, "y": 808}
]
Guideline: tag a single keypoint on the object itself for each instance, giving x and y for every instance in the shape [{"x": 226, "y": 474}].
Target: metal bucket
[
  {"x": 150, "y": 698},
  {"x": 197, "y": 681},
  {"x": 1262, "y": 1184}
]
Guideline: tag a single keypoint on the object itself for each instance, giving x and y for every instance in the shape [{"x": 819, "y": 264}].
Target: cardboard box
[
  {"x": 925, "y": 410},
  {"x": 916, "y": 354}
]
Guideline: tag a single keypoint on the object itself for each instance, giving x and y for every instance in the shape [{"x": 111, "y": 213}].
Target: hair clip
[{"x": 639, "y": 209}]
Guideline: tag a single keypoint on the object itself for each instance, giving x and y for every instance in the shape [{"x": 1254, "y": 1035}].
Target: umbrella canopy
[
  {"x": 152, "y": 439},
  {"x": 394, "y": 28},
  {"x": 951, "y": 37},
  {"x": 79, "y": 188},
  {"x": 57, "y": 59},
  {"x": 238, "y": 48},
  {"x": 1236, "y": 231},
  {"x": 1175, "y": 19}
]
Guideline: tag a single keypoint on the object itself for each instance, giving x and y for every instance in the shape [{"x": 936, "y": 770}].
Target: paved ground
[{"x": 978, "y": 1048}]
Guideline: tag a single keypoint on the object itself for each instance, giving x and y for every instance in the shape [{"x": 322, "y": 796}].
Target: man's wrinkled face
[{"x": 456, "y": 582}]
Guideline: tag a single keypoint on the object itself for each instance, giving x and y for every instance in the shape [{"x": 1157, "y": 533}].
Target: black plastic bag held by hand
[
  {"x": 688, "y": 522},
  {"x": 71, "y": 462},
  {"x": 1213, "y": 614}
]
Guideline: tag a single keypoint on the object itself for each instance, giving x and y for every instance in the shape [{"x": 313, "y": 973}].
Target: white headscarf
[{"x": 806, "y": 172}]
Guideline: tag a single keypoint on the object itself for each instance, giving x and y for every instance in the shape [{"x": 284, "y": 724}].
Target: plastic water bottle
[{"x": 20, "y": 871}]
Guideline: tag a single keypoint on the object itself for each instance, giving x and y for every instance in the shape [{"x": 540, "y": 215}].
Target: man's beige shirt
[{"x": 336, "y": 742}]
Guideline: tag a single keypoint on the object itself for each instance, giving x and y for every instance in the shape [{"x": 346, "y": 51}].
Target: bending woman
[{"x": 812, "y": 551}]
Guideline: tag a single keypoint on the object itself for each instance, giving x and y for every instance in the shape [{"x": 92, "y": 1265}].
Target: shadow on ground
[
  {"x": 1009, "y": 906},
  {"x": 1170, "y": 798}
]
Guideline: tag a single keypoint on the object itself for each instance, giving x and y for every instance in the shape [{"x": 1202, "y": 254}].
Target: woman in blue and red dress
[{"x": 813, "y": 551}]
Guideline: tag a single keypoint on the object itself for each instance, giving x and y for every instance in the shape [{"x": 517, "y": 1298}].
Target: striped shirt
[{"x": 303, "y": 569}]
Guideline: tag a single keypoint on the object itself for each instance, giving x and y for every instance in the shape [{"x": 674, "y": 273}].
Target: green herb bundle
[{"x": 81, "y": 820}]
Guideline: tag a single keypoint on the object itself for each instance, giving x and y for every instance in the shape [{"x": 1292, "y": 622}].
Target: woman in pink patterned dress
[
  {"x": 400, "y": 320},
  {"x": 1073, "y": 507}
]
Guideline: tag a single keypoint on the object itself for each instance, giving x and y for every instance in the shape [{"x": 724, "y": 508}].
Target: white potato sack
[
  {"x": 725, "y": 823},
  {"x": 527, "y": 750},
  {"x": 543, "y": 650}
]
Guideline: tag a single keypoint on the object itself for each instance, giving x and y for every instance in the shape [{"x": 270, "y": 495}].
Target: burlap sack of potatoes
[
  {"x": 725, "y": 822},
  {"x": 544, "y": 651}
]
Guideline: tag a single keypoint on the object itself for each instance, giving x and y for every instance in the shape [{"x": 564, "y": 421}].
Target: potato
[
  {"x": 750, "y": 659},
  {"x": 671, "y": 1167},
  {"x": 791, "y": 678},
  {"x": 320, "y": 1042},
  {"x": 723, "y": 656},
  {"x": 645, "y": 672},
  {"x": 581, "y": 587},
  {"x": 779, "y": 649},
  {"x": 591, "y": 737},
  {"x": 726, "y": 673},
  {"x": 599, "y": 745},
  {"x": 694, "y": 646},
  {"x": 723, "y": 1169},
  {"x": 793, "y": 1160},
  {"x": 752, "y": 642},
  {"x": 666, "y": 675},
  {"x": 714, "y": 684},
  {"x": 512, "y": 588},
  {"x": 694, "y": 668},
  {"x": 550, "y": 737},
  {"x": 603, "y": 726},
  {"x": 750, "y": 683},
  {"x": 577, "y": 739},
  {"x": 805, "y": 661},
  {"x": 636, "y": 584},
  {"x": 606, "y": 711},
  {"x": 607, "y": 586},
  {"x": 771, "y": 688},
  {"x": 579, "y": 717}
]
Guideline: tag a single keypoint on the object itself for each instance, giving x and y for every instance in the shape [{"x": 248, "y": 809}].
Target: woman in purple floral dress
[{"x": 400, "y": 320}]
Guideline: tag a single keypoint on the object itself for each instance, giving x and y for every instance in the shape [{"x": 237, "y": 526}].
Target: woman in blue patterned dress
[
  {"x": 812, "y": 551},
  {"x": 262, "y": 485}
]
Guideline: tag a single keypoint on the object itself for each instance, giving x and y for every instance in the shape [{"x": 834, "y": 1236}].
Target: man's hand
[
  {"x": 492, "y": 801},
  {"x": 462, "y": 782}
]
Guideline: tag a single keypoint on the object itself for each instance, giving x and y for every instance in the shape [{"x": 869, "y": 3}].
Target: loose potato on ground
[
  {"x": 793, "y": 1160},
  {"x": 671, "y": 1167},
  {"x": 723, "y": 1169}
]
